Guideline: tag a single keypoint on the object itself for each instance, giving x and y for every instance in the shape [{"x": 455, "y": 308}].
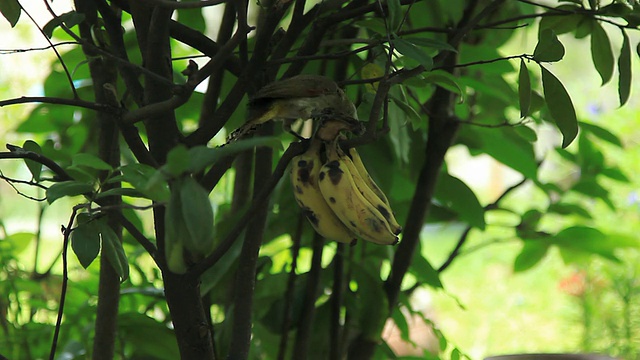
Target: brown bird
[{"x": 298, "y": 97}]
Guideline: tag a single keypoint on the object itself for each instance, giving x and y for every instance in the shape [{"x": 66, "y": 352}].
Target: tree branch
[
  {"x": 61, "y": 101},
  {"x": 293, "y": 150},
  {"x": 308, "y": 311},
  {"x": 242, "y": 320}
]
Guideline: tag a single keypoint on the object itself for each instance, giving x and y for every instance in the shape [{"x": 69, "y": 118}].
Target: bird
[{"x": 298, "y": 97}]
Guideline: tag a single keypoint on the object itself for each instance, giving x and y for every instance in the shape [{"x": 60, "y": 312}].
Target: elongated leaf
[
  {"x": 624, "y": 70},
  {"x": 70, "y": 19},
  {"x": 85, "y": 240},
  {"x": 113, "y": 250},
  {"x": 444, "y": 80},
  {"x": 198, "y": 217},
  {"x": 524, "y": 89},
  {"x": 409, "y": 111},
  {"x": 456, "y": 195},
  {"x": 10, "y": 9},
  {"x": 410, "y": 50},
  {"x": 509, "y": 148},
  {"x": 532, "y": 252},
  {"x": 431, "y": 43},
  {"x": 601, "y": 52},
  {"x": 424, "y": 272},
  {"x": 593, "y": 241},
  {"x": 34, "y": 167},
  {"x": 602, "y": 133},
  {"x": 67, "y": 188},
  {"x": 147, "y": 180},
  {"x": 90, "y": 161},
  {"x": 549, "y": 48},
  {"x": 395, "y": 14},
  {"x": 121, "y": 192},
  {"x": 560, "y": 106},
  {"x": 615, "y": 174},
  {"x": 19, "y": 241},
  {"x": 569, "y": 209},
  {"x": 590, "y": 187},
  {"x": 177, "y": 160}
]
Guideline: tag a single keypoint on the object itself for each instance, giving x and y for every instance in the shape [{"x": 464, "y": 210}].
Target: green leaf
[
  {"x": 373, "y": 302},
  {"x": 562, "y": 24},
  {"x": 410, "y": 50},
  {"x": 532, "y": 252},
  {"x": 549, "y": 48},
  {"x": 408, "y": 110},
  {"x": 424, "y": 272},
  {"x": 456, "y": 195},
  {"x": 593, "y": 241},
  {"x": 69, "y": 19},
  {"x": 509, "y": 148},
  {"x": 590, "y": 187},
  {"x": 560, "y": 106},
  {"x": 601, "y": 52},
  {"x": 395, "y": 14},
  {"x": 524, "y": 89},
  {"x": 569, "y": 209},
  {"x": 376, "y": 25},
  {"x": 20, "y": 241},
  {"x": 113, "y": 250},
  {"x": 121, "y": 192},
  {"x": 624, "y": 70},
  {"x": 444, "y": 80},
  {"x": 177, "y": 160},
  {"x": 147, "y": 180},
  {"x": 85, "y": 240},
  {"x": 529, "y": 224},
  {"x": 90, "y": 161},
  {"x": 431, "y": 43},
  {"x": 198, "y": 217},
  {"x": 10, "y": 9},
  {"x": 601, "y": 133},
  {"x": 67, "y": 188},
  {"x": 615, "y": 174},
  {"x": 202, "y": 156},
  {"x": 34, "y": 167}
]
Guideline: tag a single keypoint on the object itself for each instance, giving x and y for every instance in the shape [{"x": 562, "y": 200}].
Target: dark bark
[
  {"x": 308, "y": 312},
  {"x": 104, "y": 73},
  {"x": 246, "y": 273},
  {"x": 182, "y": 292}
]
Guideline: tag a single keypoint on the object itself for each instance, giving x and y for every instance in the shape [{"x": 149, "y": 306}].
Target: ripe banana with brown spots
[
  {"x": 304, "y": 178},
  {"x": 366, "y": 186},
  {"x": 362, "y": 170},
  {"x": 341, "y": 193}
]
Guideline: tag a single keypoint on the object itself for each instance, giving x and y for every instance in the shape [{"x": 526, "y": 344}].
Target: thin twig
[
  {"x": 60, "y": 101},
  {"x": 16, "y": 51},
  {"x": 64, "y": 65},
  {"x": 11, "y": 182},
  {"x": 465, "y": 234},
  {"x": 65, "y": 279}
]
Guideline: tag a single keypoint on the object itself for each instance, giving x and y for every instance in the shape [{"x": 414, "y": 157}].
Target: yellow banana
[
  {"x": 347, "y": 202},
  {"x": 304, "y": 178},
  {"x": 367, "y": 190},
  {"x": 362, "y": 170}
]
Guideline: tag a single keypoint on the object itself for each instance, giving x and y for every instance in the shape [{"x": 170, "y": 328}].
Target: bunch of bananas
[{"x": 338, "y": 195}]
